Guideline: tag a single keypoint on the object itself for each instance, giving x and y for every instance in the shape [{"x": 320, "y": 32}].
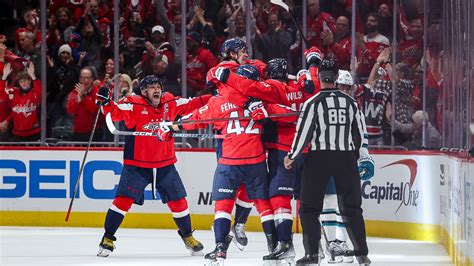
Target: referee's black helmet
[{"x": 328, "y": 71}]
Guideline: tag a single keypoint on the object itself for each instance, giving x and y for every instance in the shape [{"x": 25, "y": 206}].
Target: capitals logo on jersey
[{"x": 26, "y": 109}]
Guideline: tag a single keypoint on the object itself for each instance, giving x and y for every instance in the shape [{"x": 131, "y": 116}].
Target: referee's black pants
[{"x": 318, "y": 167}]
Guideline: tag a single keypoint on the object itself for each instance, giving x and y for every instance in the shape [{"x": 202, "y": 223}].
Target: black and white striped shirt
[{"x": 329, "y": 121}]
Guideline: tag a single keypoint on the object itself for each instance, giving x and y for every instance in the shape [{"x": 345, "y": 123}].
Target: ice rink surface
[{"x": 78, "y": 246}]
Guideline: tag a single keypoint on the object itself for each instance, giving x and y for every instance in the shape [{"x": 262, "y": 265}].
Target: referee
[{"x": 333, "y": 126}]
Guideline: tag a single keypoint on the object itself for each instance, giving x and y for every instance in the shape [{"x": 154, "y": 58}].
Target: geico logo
[
  {"x": 403, "y": 193},
  {"x": 14, "y": 175},
  {"x": 225, "y": 190}
]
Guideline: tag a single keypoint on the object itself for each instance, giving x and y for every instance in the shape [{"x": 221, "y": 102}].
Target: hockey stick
[
  {"x": 115, "y": 131},
  {"x": 220, "y": 119},
  {"x": 287, "y": 8},
  {"x": 76, "y": 187}
]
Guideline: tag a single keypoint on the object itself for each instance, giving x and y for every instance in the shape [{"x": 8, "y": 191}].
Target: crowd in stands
[{"x": 80, "y": 48}]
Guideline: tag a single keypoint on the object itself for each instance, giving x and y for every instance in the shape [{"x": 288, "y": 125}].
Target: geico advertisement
[
  {"x": 45, "y": 180},
  {"x": 404, "y": 188}
]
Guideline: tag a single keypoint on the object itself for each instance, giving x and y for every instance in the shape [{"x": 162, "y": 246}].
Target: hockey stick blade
[
  {"x": 287, "y": 8},
  {"x": 115, "y": 131},
  {"x": 281, "y": 3}
]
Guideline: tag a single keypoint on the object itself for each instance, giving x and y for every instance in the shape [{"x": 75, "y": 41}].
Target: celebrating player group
[{"x": 255, "y": 107}]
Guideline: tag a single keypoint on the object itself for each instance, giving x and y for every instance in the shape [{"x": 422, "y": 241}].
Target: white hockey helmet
[{"x": 344, "y": 77}]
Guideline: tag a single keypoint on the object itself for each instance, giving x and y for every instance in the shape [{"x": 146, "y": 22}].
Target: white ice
[{"x": 78, "y": 246}]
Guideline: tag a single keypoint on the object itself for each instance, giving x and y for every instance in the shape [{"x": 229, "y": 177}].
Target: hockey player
[
  {"x": 242, "y": 161},
  {"x": 234, "y": 53},
  {"x": 144, "y": 112},
  {"x": 278, "y": 138}
]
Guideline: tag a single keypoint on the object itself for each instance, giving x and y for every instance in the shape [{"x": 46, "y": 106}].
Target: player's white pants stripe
[
  {"x": 243, "y": 203},
  {"x": 181, "y": 214},
  {"x": 115, "y": 209},
  {"x": 331, "y": 217},
  {"x": 266, "y": 218},
  {"x": 283, "y": 216},
  {"x": 223, "y": 215}
]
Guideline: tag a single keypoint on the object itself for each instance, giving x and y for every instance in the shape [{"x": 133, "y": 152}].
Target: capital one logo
[{"x": 404, "y": 192}]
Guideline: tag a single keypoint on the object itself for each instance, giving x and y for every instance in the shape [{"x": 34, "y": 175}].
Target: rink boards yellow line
[
  {"x": 400, "y": 230},
  {"x": 388, "y": 229}
]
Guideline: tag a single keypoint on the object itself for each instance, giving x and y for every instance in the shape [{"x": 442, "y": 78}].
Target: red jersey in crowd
[
  {"x": 4, "y": 102},
  {"x": 324, "y": 22},
  {"x": 138, "y": 114},
  {"x": 242, "y": 143},
  {"x": 197, "y": 67},
  {"x": 342, "y": 51},
  {"x": 84, "y": 112},
  {"x": 367, "y": 57},
  {"x": 409, "y": 49},
  {"x": 24, "y": 109}
]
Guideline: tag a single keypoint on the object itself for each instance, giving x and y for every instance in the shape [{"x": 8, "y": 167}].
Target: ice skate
[
  {"x": 106, "y": 245},
  {"x": 219, "y": 254},
  {"x": 309, "y": 259},
  {"x": 335, "y": 252},
  {"x": 192, "y": 244},
  {"x": 363, "y": 260},
  {"x": 348, "y": 254},
  {"x": 240, "y": 239},
  {"x": 283, "y": 254}
]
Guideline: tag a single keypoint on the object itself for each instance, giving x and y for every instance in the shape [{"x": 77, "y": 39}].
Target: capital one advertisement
[{"x": 403, "y": 189}]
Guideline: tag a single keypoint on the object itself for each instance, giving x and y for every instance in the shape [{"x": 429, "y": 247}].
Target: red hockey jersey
[
  {"x": 138, "y": 114},
  {"x": 242, "y": 143},
  {"x": 373, "y": 48}
]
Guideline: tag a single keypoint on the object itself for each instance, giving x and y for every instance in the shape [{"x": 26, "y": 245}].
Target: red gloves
[
  {"x": 313, "y": 56},
  {"x": 257, "y": 110}
]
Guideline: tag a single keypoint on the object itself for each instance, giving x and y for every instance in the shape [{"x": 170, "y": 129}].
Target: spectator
[
  {"x": 125, "y": 87},
  {"x": 276, "y": 42},
  {"x": 237, "y": 28},
  {"x": 199, "y": 61},
  {"x": 109, "y": 71},
  {"x": 155, "y": 47},
  {"x": 339, "y": 45},
  {"x": 104, "y": 25},
  {"x": 133, "y": 27},
  {"x": 432, "y": 136},
  {"x": 60, "y": 28},
  {"x": 28, "y": 50},
  {"x": 131, "y": 55},
  {"x": 404, "y": 101},
  {"x": 386, "y": 20},
  {"x": 81, "y": 105},
  {"x": 91, "y": 40},
  {"x": 410, "y": 49},
  {"x": 370, "y": 46},
  {"x": 4, "y": 104},
  {"x": 374, "y": 101},
  {"x": 94, "y": 9},
  {"x": 205, "y": 28},
  {"x": 318, "y": 22},
  {"x": 63, "y": 74},
  {"x": 24, "y": 102},
  {"x": 31, "y": 21}
]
